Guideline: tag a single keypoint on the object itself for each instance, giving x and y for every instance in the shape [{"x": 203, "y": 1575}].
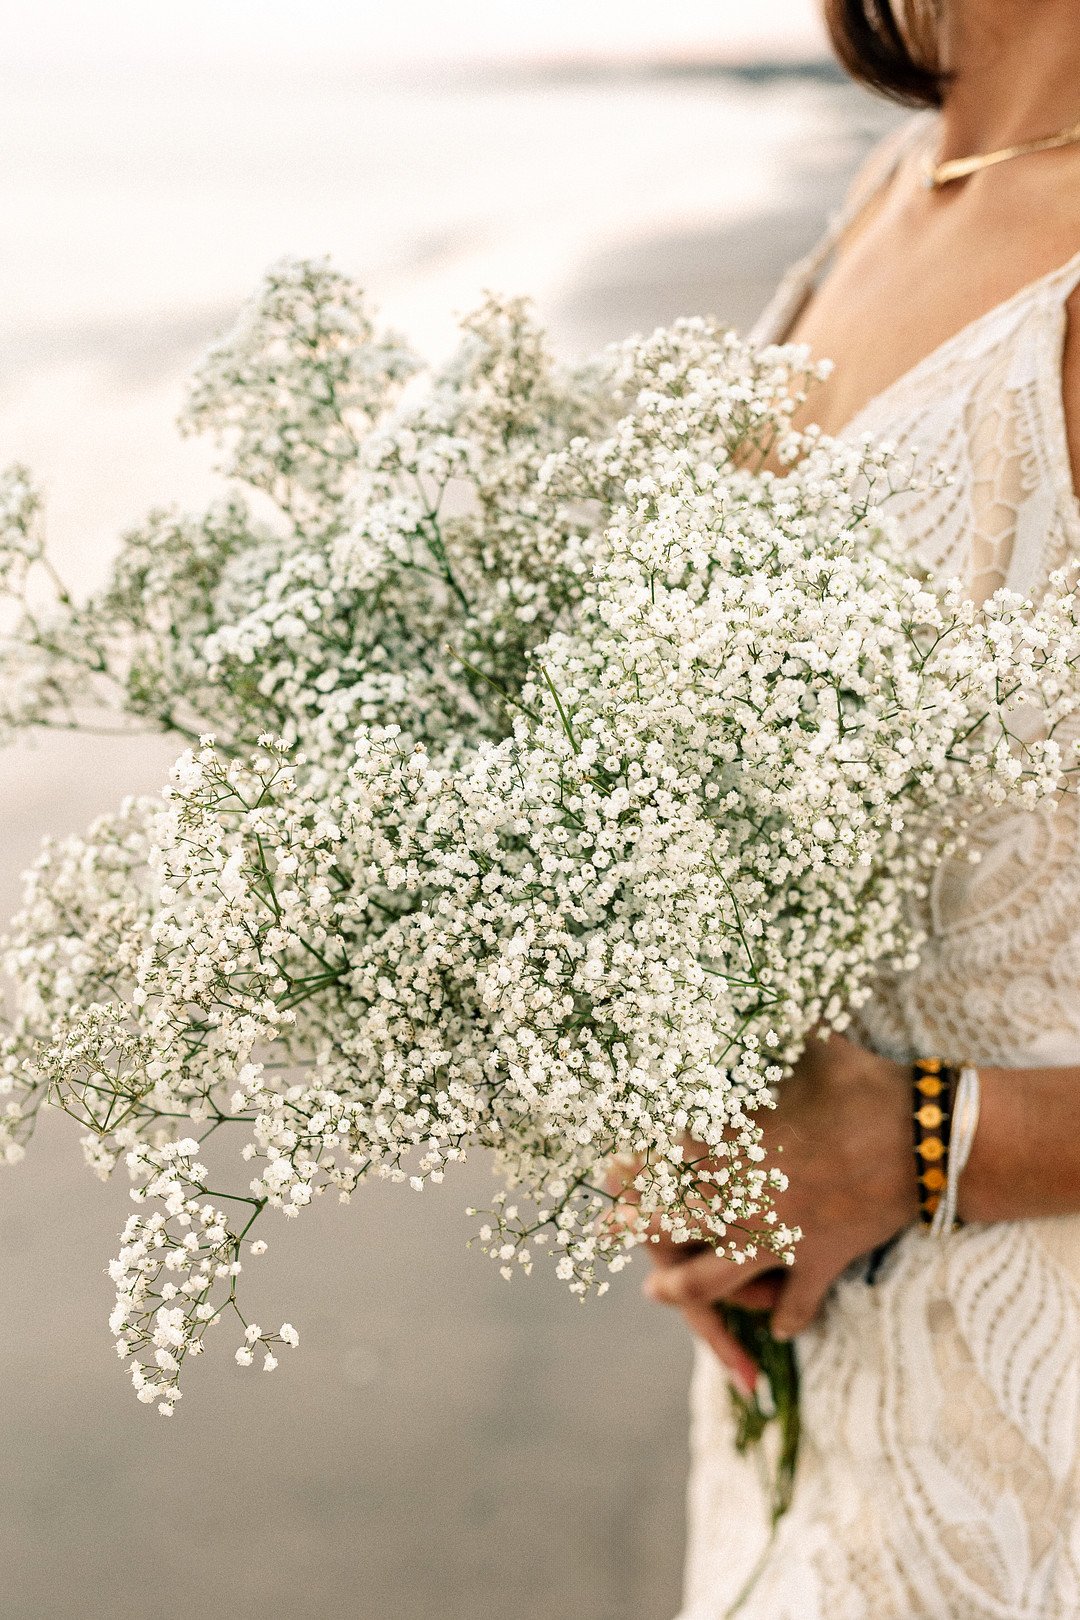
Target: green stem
[
  {"x": 563, "y": 716},
  {"x": 780, "y": 1370}
]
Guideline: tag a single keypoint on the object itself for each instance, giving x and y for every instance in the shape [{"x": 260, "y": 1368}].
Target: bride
[{"x": 939, "y": 1477}]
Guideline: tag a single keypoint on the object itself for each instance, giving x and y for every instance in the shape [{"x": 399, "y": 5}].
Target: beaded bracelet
[
  {"x": 965, "y": 1122},
  {"x": 933, "y": 1083}
]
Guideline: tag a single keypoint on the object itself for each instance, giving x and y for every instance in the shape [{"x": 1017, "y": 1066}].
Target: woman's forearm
[{"x": 1025, "y": 1160}]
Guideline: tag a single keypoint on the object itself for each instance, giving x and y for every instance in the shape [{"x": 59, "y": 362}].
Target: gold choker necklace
[{"x": 941, "y": 174}]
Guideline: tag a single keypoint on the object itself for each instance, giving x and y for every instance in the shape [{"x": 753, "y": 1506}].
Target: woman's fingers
[
  {"x": 760, "y": 1294},
  {"x": 694, "y": 1278},
  {"x": 801, "y": 1298},
  {"x": 703, "y": 1279},
  {"x": 705, "y": 1321},
  {"x": 662, "y": 1250},
  {"x": 694, "y": 1281}
]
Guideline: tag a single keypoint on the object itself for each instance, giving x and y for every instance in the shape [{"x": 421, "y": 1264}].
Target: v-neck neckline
[
  {"x": 941, "y": 351},
  {"x": 811, "y": 267}
]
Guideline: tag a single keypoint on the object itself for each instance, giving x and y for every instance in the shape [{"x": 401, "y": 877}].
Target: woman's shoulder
[
  {"x": 869, "y": 182},
  {"x": 908, "y": 138}
]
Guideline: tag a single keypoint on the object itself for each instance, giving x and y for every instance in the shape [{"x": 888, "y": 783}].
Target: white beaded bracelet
[{"x": 965, "y": 1122}]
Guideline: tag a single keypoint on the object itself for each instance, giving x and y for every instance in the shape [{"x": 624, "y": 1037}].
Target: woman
[{"x": 940, "y": 1470}]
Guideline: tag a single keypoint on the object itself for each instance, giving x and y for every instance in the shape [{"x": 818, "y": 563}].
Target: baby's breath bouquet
[{"x": 554, "y": 771}]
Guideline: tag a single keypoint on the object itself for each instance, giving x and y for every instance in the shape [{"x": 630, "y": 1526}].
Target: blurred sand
[{"x": 442, "y": 1443}]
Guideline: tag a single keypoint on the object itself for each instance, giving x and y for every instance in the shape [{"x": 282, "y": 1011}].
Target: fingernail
[{"x": 743, "y": 1385}]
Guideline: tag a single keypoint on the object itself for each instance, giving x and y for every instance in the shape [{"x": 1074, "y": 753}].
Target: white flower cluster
[
  {"x": 20, "y": 537},
  {"x": 556, "y": 770},
  {"x": 170, "y": 1268},
  {"x": 298, "y": 381}
]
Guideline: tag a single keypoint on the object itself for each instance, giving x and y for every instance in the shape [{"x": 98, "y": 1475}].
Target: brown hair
[{"x": 889, "y": 45}]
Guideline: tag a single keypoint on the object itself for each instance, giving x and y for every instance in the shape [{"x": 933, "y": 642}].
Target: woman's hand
[{"x": 841, "y": 1132}]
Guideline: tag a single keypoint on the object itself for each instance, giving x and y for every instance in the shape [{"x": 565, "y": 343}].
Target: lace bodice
[
  {"x": 1000, "y": 978},
  {"x": 940, "y": 1477}
]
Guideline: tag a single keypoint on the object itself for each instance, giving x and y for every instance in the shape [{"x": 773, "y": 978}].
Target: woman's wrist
[
  {"x": 878, "y": 1091},
  {"x": 894, "y": 1081}
]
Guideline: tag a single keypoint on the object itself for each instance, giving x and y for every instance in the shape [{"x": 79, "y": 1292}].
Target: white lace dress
[{"x": 940, "y": 1472}]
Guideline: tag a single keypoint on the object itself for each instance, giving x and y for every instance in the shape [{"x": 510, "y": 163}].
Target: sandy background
[{"x": 442, "y": 1444}]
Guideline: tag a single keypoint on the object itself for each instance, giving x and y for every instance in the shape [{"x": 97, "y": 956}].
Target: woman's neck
[{"x": 1014, "y": 69}]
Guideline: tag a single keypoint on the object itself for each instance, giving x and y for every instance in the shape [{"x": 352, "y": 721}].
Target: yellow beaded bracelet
[{"x": 933, "y": 1086}]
